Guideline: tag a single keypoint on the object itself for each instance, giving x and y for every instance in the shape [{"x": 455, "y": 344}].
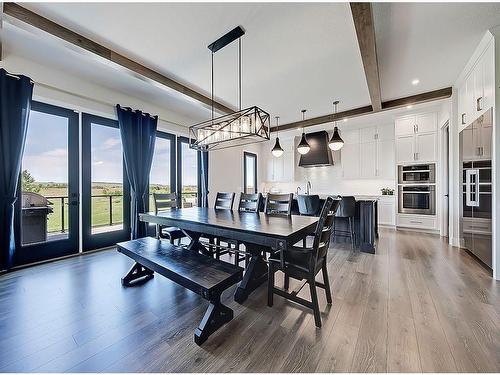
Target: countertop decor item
[
  {"x": 245, "y": 126},
  {"x": 387, "y": 191}
]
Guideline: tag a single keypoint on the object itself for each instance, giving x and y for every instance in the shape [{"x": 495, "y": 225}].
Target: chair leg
[
  {"x": 326, "y": 281},
  {"x": 270, "y": 285},
  {"x": 304, "y": 242},
  {"x": 171, "y": 239},
  {"x": 286, "y": 284},
  {"x": 314, "y": 300},
  {"x": 351, "y": 230},
  {"x": 217, "y": 247}
]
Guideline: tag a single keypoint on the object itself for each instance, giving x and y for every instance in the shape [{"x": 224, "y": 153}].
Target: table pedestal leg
[
  {"x": 195, "y": 244},
  {"x": 255, "y": 274}
]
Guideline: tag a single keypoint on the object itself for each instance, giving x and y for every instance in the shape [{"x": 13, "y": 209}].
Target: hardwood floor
[{"x": 417, "y": 305}]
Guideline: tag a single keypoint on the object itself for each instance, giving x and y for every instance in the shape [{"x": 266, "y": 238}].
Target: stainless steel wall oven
[
  {"x": 417, "y": 174},
  {"x": 417, "y": 199}
]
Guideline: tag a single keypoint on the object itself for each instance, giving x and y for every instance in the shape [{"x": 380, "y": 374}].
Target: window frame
[
  {"x": 185, "y": 140},
  {"x": 253, "y": 156}
]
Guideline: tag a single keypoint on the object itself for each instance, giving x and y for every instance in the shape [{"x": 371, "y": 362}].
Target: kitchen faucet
[
  {"x": 308, "y": 187},
  {"x": 298, "y": 189}
]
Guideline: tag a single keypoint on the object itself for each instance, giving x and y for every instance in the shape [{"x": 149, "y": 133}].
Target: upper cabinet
[
  {"x": 416, "y": 138},
  {"x": 281, "y": 169},
  {"x": 368, "y": 153},
  {"x": 476, "y": 90}
]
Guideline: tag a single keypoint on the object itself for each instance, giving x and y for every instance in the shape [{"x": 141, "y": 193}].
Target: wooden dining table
[{"x": 260, "y": 233}]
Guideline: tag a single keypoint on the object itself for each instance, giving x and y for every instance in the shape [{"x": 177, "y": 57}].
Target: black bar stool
[{"x": 346, "y": 210}]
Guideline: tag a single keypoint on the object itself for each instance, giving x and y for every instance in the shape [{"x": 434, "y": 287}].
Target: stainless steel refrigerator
[{"x": 475, "y": 158}]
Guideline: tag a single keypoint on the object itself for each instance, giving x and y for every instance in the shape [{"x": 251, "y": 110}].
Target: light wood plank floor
[{"x": 417, "y": 305}]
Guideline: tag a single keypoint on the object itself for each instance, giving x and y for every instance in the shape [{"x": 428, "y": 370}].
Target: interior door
[
  {"x": 105, "y": 188},
  {"x": 46, "y": 217}
]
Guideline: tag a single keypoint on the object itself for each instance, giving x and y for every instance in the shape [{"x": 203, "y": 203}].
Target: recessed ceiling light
[
  {"x": 345, "y": 119},
  {"x": 415, "y": 82},
  {"x": 409, "y": 107}
]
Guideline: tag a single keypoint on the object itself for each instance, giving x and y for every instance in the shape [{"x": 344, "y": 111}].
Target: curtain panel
[
  {"x": 15, "y": 103},
  {"x": 204, "y": 179},
  {"x": 138, "y": 135}
]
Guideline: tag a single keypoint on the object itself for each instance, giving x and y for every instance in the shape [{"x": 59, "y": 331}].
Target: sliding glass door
[
  {"x": 47, "y": 206},
  {"x": 106, "y": 193},
  {"x": 188, "y": 173}
]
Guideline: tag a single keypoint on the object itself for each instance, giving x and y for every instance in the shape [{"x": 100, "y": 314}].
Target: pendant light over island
[
  {"x": 277, "y": 150},
  {"x": 303, "y": 147},
  {"x": 336, "y": 142}
]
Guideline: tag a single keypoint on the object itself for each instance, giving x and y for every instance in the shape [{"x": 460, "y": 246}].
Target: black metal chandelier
[{"x": 250, "y": 125}]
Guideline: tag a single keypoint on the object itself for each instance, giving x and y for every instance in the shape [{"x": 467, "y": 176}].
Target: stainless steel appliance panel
[
  {"x": 417, "y": 174},
  {"x": 417, "y": 199}
]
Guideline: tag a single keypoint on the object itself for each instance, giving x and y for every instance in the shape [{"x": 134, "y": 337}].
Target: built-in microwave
[
  {"x": 417, "y": 199},
  {"x": 417, "y": 174}
]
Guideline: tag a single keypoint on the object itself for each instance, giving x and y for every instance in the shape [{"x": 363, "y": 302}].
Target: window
[
  {"x": 250, "y": 172},
  {"x": 162, "y": 174},
  {"x": 189, "y": 173}
]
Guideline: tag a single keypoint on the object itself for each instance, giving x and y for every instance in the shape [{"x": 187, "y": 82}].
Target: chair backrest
[
  {"x": 249, "y": 202},
  {"x": 278, "y": 204},
  {"x": 309, "y": 204},
  {"x": 165, "y": 202},
  {"x": 324, "y": 228},
  {"x": 347, "y": 207},
  {"x": 224, "y": 201}
]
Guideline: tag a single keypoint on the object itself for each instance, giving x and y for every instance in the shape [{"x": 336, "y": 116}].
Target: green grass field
[{"x": 100, "y": 205}]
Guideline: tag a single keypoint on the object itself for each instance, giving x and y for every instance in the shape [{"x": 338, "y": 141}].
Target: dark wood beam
[
  {"x": 387, "y": 105},
  {"x": 33, "y": 19},
  {"x": 365, "y": 30}
]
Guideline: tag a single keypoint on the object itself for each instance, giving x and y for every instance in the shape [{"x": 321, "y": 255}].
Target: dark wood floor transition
[{"x": 418, "y": 305}]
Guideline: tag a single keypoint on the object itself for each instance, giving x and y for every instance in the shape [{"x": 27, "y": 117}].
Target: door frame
[
  {"x": 254, "y": 156},
  {"x": 26, "y": 254},
  {"x": 445, "y": 180},
  {"x": 106, "y": 239}
]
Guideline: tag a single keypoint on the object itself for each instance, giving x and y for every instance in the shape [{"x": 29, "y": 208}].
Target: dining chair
[
  {"x": 249, "y": 202},
  {"x": 224, "y": 201},
  {"x": 164, "y": 202},
  {"x": 280, "y": 204},
  {"x": 346, "y": 211},
  {"x": 305, "y": 263}
]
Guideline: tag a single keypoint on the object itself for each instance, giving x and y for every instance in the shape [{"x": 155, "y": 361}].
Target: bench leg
[
  {"x": 215, "y": 317},
  {"x": 135, "y": 273}
]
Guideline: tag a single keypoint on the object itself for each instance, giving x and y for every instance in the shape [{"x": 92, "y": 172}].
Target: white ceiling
[
  {"x": 295, "y": 55},
  {"x": 428, "y": 41}
]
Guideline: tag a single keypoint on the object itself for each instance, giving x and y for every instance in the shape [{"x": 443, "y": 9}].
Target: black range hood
[{"x": 320, "y": 154}]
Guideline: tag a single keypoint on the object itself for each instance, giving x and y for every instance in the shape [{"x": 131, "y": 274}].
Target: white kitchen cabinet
[
  {"x": 385, "y": 133},
  {"x": 486, "y": 134},
  {"x": 405, "y": 126},
  {"x": 425, "y": 147},
  {"x": 385, "y": 159},
  {"x": 426, "y": 123},
  {"x": 281, "y": 169},
  {"x": 476, "y": 91},
  {"x": 417, "y": 221},
  {"x": 387, "y": 210},
  {"x": 368, "y": 160},
  {"x": 405, "y": 149},
  {"x": 419, "y": 144},
  {"x": 468, "y": 145},
  {"x": 368, "y": 134},
  {"x": 350, "y": 136},
  {"x": 350, "y": 161}
]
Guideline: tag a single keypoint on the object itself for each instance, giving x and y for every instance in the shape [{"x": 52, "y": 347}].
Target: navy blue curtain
[
  {"x": 15, "y": 104},
  {"x": 204, "y": 179},
  {"x": 138, "y": 134}
]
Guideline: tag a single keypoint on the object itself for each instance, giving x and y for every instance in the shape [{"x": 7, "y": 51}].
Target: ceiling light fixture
[
  {"x": 250, "y": 125},
  {"x": 336, "y": 142},
  {"x": 303, "y": 147},
  {"x": 409, "y": 107},
  {"x": 415, "y": 82},
  {"x": 277, "y": 151}
]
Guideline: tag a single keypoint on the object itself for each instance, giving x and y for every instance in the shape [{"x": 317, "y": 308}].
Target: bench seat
[{"x": 202, "y": 274}]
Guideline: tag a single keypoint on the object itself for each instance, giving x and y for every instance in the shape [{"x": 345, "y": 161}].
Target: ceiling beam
[
  {"x": 17, "y": 12},
  {"x": 365, "y": 30},
  {"x": 361, "y": 111}
]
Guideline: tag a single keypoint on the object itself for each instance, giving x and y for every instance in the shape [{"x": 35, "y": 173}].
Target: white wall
[{"x": 62, "y": 89}]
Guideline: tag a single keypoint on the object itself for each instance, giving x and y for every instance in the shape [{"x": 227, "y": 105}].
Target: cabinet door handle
[
  {"x": 415, "y": 222},
  {"x": 463, "y": 119},
  {"x": 416, "y": 127},
  {"x": 478, "y": 151},
  {"x": 479, "y": 103}
]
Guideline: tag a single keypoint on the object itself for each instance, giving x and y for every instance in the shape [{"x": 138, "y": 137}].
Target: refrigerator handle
[{"x": 472, "y": 187}]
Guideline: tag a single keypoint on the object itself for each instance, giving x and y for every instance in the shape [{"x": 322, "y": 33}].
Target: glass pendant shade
[
  {"x": 303, "y": 147},
  {"x": 277, "y": 151},
  {"x": 336, "y": 142}
]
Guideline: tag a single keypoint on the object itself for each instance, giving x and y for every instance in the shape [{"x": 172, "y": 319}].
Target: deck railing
[{"x": 107, "y": 213}]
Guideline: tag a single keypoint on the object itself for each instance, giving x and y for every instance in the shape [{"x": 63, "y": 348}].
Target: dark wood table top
[{"x": 248, "y": 222}]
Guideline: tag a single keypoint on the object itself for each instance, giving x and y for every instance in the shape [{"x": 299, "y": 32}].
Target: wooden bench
[{"x": 199, "y": 273}]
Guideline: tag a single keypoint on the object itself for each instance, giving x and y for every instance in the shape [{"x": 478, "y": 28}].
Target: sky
[{"x": 46, "y": 153}]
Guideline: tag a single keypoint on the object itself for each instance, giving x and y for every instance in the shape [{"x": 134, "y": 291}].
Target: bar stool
[{"x": 346, "y": 210}]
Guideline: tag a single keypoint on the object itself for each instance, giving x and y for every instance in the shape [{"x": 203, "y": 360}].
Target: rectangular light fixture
[{"x": 239, "y": 128}]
